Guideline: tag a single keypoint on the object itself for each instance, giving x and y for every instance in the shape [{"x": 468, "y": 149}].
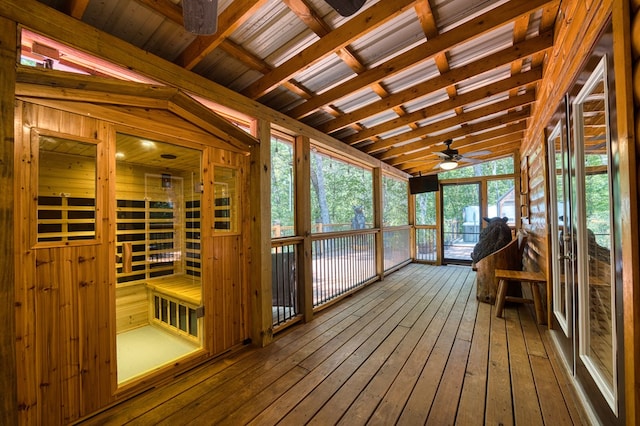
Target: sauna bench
[{"x": 181, "y": 287}]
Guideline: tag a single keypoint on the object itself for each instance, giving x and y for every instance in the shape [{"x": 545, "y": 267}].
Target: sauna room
[{"x": 126, "y": 203}]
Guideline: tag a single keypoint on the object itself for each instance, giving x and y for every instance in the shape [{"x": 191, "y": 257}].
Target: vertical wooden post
[
  {"x": 8, "y": 380},
  {"x": 412, "y": 223},
  {"x": 260, "y": 238},
  {"x": 623, "y": 43},
  {"x": 303, "y": 224},
  {"x": 377, "y": 220}
]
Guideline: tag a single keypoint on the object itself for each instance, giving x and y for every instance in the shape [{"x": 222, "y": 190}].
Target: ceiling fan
[
  {"x": 201, "y": 16},
  {"x": 346, "y": 7},
  {"x": 451, "y": 158}
]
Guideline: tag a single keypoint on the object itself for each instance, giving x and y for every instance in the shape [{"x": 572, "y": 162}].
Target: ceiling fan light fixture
[
  {"x": 200, "y": 16},
  {"x": 449, "y": 164}
]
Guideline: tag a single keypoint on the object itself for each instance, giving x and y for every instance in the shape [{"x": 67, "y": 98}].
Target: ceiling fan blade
[
  {"x": 477, "y": 153},
  {"x": 442, "y": 154},
  {"x": 346, "y": 7},
  {"x": 200, "y": 16}
]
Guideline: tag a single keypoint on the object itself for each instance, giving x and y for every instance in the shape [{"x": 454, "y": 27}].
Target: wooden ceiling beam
[
  {"x": 76, "y": 8},
  {"x": 471, "y": 143},
  {"x": 366, "y": 21},
  {"x": 443, "y": 42},
  {"x": 237, "y": 13},
  {"x": 475, "y": 114},
  {"x": 504, "y": 57},
  {"x": 459, "y": 101},
  {"x": 425, "y": 143}
]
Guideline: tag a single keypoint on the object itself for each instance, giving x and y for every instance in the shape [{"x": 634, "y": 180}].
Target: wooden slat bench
[{"x": 506, "y": 277}]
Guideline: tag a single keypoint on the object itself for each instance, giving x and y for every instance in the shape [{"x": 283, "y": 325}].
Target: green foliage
[
  {"x": 345, "y": 187},
  {"x": 282, "y": 185},
  {"x": 426, "y": 208}
]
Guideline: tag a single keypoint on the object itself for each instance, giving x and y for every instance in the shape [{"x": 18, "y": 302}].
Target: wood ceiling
[{"x": 394, "y": 80}]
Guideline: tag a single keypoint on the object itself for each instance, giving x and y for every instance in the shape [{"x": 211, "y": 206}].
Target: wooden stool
[{"x": 534, "y": 278}]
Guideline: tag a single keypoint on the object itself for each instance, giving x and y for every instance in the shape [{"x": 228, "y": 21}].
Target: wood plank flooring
[{"x": 416, "y": 348}]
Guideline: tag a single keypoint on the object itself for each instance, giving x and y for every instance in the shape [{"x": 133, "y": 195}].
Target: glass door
[
  {"x": 159, "y": 293},
  {"x": 461, "y": 221},
  {"x": 597, "y": 344},
  {"x": 562, "y": 239},
  {"x": 583, "y": 208}
]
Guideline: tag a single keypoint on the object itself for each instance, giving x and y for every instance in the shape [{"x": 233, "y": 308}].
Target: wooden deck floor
[{"x": 413, "y": 349}]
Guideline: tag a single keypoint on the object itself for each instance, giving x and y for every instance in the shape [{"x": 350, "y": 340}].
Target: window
[
  {"x": 282, "y": 189},
  {"x": 501, "y": 199},
  {"x": 395, "y": 202},
  {"x": 341, "y": 195},
  {"x": 66, "y": 189}
]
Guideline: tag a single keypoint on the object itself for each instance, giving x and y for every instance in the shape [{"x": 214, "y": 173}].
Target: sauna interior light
[
  {"x": 119, "y": 155},
  {"x": 448, "y": 164}
]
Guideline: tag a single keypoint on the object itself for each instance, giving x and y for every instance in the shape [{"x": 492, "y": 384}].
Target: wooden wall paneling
[
  {"x": 47, "y": 332},
  {"x": 577, "y": 29},
  {"x": 24, "y": 276},
  {"x": 259, "y": 197},
  {"x": 626, "y": 45},
  {"x": 8, "y": 374}
]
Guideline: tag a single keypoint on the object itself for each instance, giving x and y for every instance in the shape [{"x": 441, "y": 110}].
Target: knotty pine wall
[{"x": 66, "y": 293}]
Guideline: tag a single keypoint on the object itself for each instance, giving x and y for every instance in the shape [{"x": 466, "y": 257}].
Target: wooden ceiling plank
[
  {"x": 449, "y": 104},
  {"x": 364, "y": 22},
  {"x": 463, "y": 131},
  {"x": 228, "y": 21},
  {"x": 513, "y": 102},
  {"x": 441, "y": 43},
  {"x": 506, "y": 56}
]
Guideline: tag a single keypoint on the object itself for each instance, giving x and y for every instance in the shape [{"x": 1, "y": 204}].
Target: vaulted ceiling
[{"x": 394, "y": 80}]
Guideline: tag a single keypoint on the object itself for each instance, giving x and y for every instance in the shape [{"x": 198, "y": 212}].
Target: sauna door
[{"x": 159, "y": 292}]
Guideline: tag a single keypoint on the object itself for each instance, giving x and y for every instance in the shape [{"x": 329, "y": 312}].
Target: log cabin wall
[
  {"x": 72, "y": 298},
  {"x": 576, "y": 31}
]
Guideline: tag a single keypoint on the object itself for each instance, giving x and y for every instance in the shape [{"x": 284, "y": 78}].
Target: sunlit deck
[{"x": 416, "y": 348}]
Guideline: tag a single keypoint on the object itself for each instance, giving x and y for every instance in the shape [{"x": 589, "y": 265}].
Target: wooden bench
[
  {"x": 507, "y": 277},
  {"x": 508, "y": 257}
]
